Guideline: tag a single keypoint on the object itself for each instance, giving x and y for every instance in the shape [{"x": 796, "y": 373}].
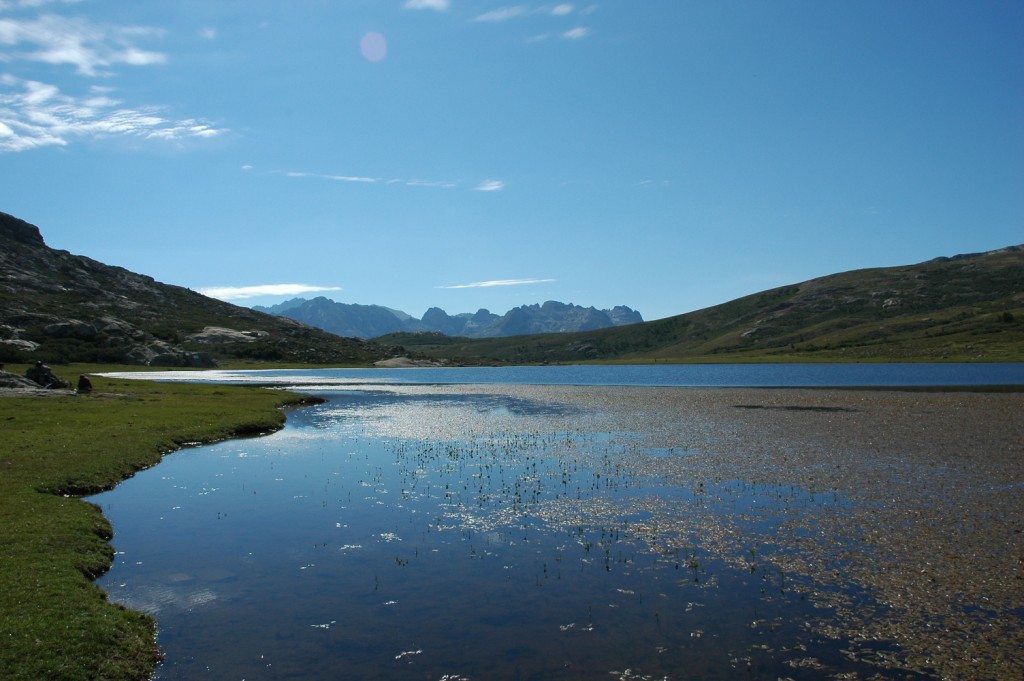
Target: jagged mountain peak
[{"x": 371, "y": 321}]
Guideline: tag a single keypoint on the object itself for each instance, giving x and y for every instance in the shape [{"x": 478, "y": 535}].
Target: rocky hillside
[
  {"x": 57, "y": 307},
  {"x": 963, "y": 307},
  {"x": 372, "y": 321}
]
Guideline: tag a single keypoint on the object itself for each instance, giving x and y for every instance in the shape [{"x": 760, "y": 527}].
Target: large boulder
[
  {"x": 11, "y": 381},
  {"x": 220, "y": 334},
  {"x": 71, "y": 328}
]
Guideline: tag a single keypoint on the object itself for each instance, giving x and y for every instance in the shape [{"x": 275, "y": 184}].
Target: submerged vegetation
[
  {"x": 54, "y": 623},
  {"x": 785, "y": 532}
]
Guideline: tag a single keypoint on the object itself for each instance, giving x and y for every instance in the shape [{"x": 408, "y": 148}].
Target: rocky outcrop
[
  {"x": 407, "y": 363},
  {"x": 160, "y": 354},
  {"x": 17, "y": 229},
  {"x": 219, "y": 334},
  {"x": 10, "y": 381}
]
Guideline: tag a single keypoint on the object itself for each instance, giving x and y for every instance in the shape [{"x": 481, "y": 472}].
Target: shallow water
[{"x": 408, "y": 534}]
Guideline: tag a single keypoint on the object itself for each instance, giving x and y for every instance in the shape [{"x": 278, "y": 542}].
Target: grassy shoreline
[{"x": 55, "y": 623}]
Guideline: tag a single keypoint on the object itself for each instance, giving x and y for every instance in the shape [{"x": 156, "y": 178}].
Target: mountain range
[
  {"x": 965, "y": 307},
  {"x": 59, "y": 307},
  {"x": 372, "y": 321}
]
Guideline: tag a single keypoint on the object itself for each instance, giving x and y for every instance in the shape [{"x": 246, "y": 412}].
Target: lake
[
  {"x": 693, "y": 375},
  {"x": 525, "y": 523}
]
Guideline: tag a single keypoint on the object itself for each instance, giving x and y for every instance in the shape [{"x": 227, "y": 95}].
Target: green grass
[
  {"x": 963, "y": 309},
  {"x": 54, "y": 622}
]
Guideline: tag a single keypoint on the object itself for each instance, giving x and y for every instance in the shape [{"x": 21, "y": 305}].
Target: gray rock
[
  {"x": 25, "y": 345},
  {"x": 11, "y": 381},
  {"x": 72, "y": 328}
]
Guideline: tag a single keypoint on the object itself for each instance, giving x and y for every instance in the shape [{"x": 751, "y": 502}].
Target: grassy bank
[{"x": 54, "y": 622}]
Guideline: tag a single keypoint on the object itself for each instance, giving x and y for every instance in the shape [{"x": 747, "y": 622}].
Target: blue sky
[{"x": 662, "y": 154}]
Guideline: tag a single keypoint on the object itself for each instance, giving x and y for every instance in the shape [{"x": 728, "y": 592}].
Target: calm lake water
[
  {"x": 398, "y": 533},
  {"x": 749, "y": 375}
]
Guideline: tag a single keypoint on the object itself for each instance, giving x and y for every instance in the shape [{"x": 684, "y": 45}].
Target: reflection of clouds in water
[
  {"x": 287, "y": 435},
  {"x": 428, "y": 412},
  {"x": 294, "y": 381},
  {"x": 153, "y": 600}
]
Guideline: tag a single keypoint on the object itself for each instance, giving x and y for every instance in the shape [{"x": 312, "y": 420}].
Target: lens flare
[{"x": 373, "y": 46}]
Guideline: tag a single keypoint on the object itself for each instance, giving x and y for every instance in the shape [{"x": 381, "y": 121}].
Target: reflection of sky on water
[
  {"x": 411, "y": 534},
  {"x": 849, "y": 374}
]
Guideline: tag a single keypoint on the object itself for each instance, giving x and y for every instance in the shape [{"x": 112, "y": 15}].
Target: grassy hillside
[
  {"x": 968, "y": 307},
  {"x": 59, "y": 307}
]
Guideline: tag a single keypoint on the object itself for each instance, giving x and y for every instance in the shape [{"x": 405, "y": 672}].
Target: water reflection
[{"x": 424, "y": 535}]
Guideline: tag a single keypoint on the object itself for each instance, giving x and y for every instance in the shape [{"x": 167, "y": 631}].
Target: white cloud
[
  {"x": 208, "y": 33},
  {"x": 441, "y": 184},
  {"x": 561, "y": 10},
  {"x": 486, "y": 185},
  {"x": 576, "y": 33},
  {"x": 352, "y": 178},
  {"x": 499, "y": 282},
  {"x": 245, "y": 292},
  {"x": 336, "y": 178},
  {"x": 490, "y": 186},
  {"x": 502, "y": 14},
  {"x": 12, "y": 4},
  {"x": 77, "y": 42},
  {"x": 438, "y": 5},
  {"x": 35, "y": 114}
]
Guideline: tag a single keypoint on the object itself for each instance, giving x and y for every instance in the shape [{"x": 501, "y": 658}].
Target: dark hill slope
[
  {"x": 55, "y": 306},
  {"x": 964, "y": 307}
]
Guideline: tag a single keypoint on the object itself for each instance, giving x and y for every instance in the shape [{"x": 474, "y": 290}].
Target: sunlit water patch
[{"x": 424, "y": 535}]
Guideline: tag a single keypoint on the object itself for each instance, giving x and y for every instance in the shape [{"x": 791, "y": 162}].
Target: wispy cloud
[
  {"x": 503, "y": 14},
  {"x": 499, "y": 282},
  {"x": 490, "y": 186},
  {"x": 89, "y": 47},
  {"x": 486, "y": 185},
  {"x": 438, "y": 5},
  {"x": 246, "y": 292},
  {"x": 576, "y": 33},
  {"x": 13, "y": 4},
  {"x": 335, "y": 178},
  {"x": 513, "y": 11},
  {"x": 35, "y": 114},
  {"x": 558, "y": 11},
  {"x": 440, "y": 184}
]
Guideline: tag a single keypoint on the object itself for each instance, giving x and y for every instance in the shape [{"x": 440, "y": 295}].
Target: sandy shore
[{"x": 926, "y": 515}]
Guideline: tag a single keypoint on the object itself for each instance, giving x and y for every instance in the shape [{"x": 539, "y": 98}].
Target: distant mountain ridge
[{"x": 373, "y": 321}]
